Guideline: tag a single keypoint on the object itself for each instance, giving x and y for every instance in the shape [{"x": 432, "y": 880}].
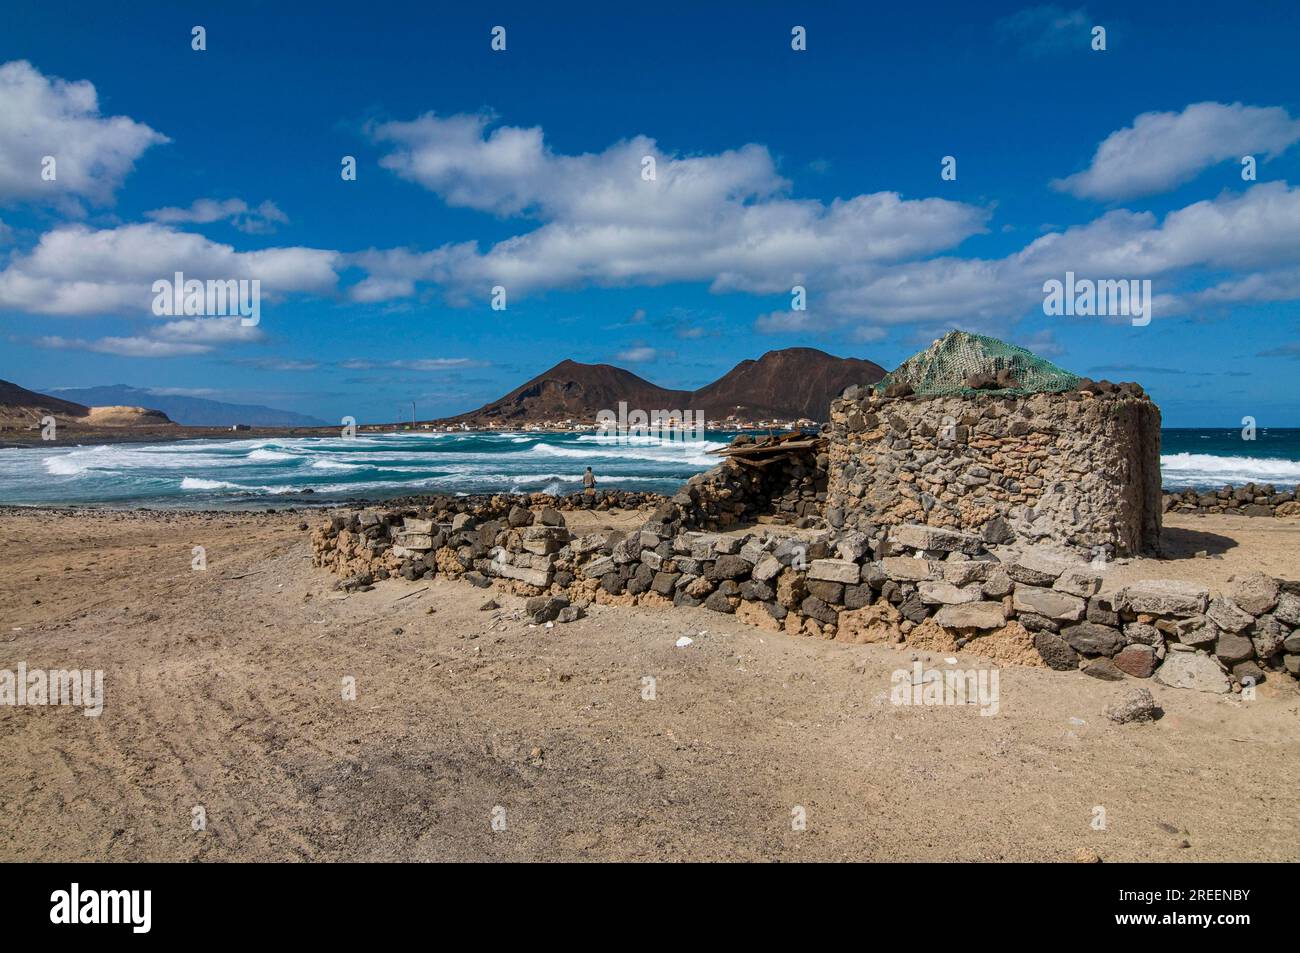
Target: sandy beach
[{"x": 223, "y": 692}]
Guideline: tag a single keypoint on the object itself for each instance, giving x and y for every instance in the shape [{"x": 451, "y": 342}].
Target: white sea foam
[
  {"x": 1204, "y": 469},
  {"x": 198, "y": 483},
  {"x": 263, "y": 454},
  {"x": 695, "y": 453},
  {"x": 63, "y": 465},
  {"x": 257, "y": 467}
]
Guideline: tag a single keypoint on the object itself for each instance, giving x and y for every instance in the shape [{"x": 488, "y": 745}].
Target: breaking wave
[
  {"x": 215, "y": 473},
  {"x": 1184, "y": 470}
]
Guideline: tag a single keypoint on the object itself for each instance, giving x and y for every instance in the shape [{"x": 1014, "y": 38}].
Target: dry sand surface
[{"x": 224, "y": 690}]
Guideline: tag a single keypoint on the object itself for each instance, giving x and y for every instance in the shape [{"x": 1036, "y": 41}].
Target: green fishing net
[{"x": 952, "y": 364}]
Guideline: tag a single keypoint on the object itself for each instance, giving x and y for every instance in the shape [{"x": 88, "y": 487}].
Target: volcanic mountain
[
  {"x": 570, "y": 389},
  {"x": 787, "y": 384}
]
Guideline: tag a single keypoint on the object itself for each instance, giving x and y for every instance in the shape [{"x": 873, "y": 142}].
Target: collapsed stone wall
[
  {"x": 494, "y": 505},
  {"x": 909, "y": 585},
  {"x": 790, "y": 489},
  {"x": 1080, "y": 467}
]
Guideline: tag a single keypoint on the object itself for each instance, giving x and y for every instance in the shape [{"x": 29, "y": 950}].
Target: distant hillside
[
  {"x": 22, "y": 410},
  {"x": 570, "y": 389},
  {"x": 787, "y": 384},
  {"x": 18, "y": 405},
  {"x": 191, "y": 411},
  {"x": 790, "y": 383}
]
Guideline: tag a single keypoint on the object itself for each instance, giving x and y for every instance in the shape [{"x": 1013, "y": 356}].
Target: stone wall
[
  {"x": 1080, "y": 467},
  {"x": 1249, "y": 500},
  {"x": 911, "y": 585}
]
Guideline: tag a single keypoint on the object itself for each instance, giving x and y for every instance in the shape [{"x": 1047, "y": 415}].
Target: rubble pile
[
  {"x": 761, "y": 480},
  {"x": 495, "y": 504}
]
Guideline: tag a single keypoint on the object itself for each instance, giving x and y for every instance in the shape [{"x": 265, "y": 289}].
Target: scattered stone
[
  {"x": 1138, "y": 705},
  {"x": 361, "y": 582},
  {"x": 541, "y": 609}
]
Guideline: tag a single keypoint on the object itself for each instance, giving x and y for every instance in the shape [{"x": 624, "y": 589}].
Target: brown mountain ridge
[
  {"x": 22, "y": 410},
  {"x": 787, "y": 384}
]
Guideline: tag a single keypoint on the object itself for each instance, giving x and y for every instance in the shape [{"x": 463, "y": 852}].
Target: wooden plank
[{"x": 759, "y": 450}]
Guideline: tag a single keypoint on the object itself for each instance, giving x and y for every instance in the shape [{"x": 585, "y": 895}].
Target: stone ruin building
[
  {"x": 971, "y": 499},
  {"x": 1048, "y": 456}
]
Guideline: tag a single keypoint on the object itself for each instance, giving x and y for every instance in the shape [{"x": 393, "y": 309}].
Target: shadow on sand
[{"x": 1180, "y": 543}]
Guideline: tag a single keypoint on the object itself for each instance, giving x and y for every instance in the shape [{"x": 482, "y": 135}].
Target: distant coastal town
[{"x": 574, "y": 425}]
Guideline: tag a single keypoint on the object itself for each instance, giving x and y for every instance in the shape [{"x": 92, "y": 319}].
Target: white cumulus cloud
[
  {"x": 1163, "y": 150},
  {"x": 725, "y": 218},
  {"x": 78, "y": 270},
  {"x": 237, "y": 212},
  {"x": 43, "y": 116}
]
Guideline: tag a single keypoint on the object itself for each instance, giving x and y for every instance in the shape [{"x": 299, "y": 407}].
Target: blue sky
[{"x": 522, "y": 169}]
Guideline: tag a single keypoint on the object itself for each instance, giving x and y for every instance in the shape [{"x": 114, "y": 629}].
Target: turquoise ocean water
[{"x": 215, "y": 474}]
